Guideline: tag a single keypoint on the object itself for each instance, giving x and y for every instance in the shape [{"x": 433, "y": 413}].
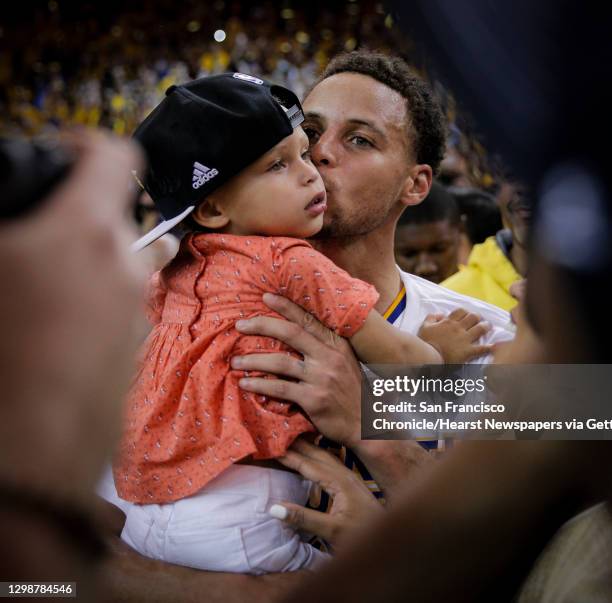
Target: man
[
  {"x": 495, "y": 265},
  {"x": 455, "y": 169},
  {"x": 427, "y": 238},
  {"x": 376, "y": 136},
  {"x": 485, "y": 525}
]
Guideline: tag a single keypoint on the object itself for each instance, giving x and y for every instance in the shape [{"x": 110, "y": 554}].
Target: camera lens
[{"x": 28, "y": 172}]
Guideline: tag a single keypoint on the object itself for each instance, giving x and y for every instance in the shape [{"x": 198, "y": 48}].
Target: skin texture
[
  {"x": 361, "y": 150},
  {"x": 70, "y": 332},
  {"x": 353, "y": 502},
  {"x": 429, "y": 250},
  {"x": 80, "y": 229},
  {"x": 270, "y": 196},
  {"x": 362, "y": 146},
  {"x": 370, "y": 175},
  {"x": 327, "y": 385},
  {"x": 476, "y": 531},
  {"x": 128, "y": 577}
]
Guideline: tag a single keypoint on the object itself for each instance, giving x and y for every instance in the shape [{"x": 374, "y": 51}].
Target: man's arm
[
  {"x": 392, "y": 463},
  {"x": 128, "y": 576},
  {"x": 327, "y": 385}
]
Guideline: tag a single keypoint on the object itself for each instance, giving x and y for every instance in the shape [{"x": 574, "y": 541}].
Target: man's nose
[{"x": 323, "y": 152}]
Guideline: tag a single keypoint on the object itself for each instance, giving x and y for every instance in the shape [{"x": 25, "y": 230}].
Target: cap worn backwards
[{"x": 205, "y": 132}]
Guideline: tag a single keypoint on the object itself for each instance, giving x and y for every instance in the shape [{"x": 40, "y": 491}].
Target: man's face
[
  {"x": 428, "y": 250},
  {"x": 454, "y": 170},
  {"x": 357, "y": 128},
  {"x": 515, "y": 210}
]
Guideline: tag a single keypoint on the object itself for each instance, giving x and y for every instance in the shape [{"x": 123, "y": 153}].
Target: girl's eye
[
  {"x": 306, "y": 155},
  {"x": 277, "y": 166},
  {"x": 360, "y": 141}
]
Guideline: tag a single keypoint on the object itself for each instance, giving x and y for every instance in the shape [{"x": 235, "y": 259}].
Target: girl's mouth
[{"x": 317, "y": 205}]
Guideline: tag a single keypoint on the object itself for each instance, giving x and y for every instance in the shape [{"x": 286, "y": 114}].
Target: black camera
[{"x": 28, "y": 173}]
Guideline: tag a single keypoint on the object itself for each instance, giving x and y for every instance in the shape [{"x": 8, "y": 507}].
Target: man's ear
[
  {"x": 417, "y": 185},
  {"x": 210, "y": 214}
]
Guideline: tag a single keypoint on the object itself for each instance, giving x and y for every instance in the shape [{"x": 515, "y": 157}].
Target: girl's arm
[
  {"x": 452, "y": 339},
  {"x": 379, "y": 342}
]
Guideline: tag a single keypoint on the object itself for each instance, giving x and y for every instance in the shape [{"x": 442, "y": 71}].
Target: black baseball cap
[{"x": 205, "y": 132}]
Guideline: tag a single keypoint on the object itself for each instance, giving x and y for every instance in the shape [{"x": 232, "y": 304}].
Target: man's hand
[
  {"x": 354, "y": 505},
  {"x": 326, "y": 383},
  {"x": 72, "y": 292}
]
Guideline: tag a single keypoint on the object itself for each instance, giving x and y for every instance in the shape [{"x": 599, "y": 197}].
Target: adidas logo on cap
[{"x": 202, "y": 174}]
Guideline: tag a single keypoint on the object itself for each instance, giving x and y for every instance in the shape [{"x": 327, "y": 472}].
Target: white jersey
[{"x": 424, "y": 297}]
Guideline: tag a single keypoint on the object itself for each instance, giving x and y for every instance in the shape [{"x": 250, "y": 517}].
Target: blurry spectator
[
  {"x": 480, "y": 218},
  {"x": 69, "y": 334},
  {"x": 454, "y": 169},
  {"x": 493, "y": 266},
  {"x": 428, "y": 236}
]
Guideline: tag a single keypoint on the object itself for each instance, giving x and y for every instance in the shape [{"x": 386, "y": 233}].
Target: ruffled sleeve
[{"x": 333, "y": 296}]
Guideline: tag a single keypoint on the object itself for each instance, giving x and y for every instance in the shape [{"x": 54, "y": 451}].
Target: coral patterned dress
[{"x": 186, "y": 419}]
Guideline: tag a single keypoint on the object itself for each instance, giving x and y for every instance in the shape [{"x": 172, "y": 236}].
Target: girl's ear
[{"x": 210, "y": 214}]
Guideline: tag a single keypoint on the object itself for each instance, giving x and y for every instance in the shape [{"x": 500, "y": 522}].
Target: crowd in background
[
  {"x": 108, "y": 66},
  {"x": 93, "y": 66},
  {"x": 100, "y": 67}
]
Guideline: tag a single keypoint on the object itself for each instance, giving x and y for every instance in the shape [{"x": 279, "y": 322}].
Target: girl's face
[{"x": 281, "y": 194}]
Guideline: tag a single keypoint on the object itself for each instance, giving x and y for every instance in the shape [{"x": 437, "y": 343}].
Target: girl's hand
[{"x": 456, "y": 336}]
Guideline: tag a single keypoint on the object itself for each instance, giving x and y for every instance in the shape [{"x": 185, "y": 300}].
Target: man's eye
[
  {"x": 312, "y": 134},
  {"x": 360, "y": 141}
]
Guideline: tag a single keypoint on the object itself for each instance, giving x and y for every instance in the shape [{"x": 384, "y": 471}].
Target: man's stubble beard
[{"x": 342, "y": 226}]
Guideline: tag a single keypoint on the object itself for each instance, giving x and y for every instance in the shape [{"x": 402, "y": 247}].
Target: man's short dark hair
[
  {"x": 427, "y": 124},
  {"x": 438, "y": 206}
]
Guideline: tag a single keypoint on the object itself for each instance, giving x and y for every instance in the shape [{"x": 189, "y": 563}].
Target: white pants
[{"x": 225, "y": 526}]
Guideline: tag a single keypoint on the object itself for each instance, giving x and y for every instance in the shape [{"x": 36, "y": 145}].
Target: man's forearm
[
  {"x": 392, "y": 463},
  {"x": 127, "y": 576}
]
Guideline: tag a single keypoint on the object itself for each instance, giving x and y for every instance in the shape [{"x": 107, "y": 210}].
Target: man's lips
[{"x": 317, "y": 205}]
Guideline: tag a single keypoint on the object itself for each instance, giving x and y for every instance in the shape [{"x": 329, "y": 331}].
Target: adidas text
[{"x": 202, "y": 174}]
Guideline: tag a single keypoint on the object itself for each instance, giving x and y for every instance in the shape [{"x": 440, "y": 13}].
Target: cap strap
[
  {"x": 295, "y": 115},
  {"x": 161, "y": 229}
]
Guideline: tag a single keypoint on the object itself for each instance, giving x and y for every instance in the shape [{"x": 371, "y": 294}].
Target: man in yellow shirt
[{"x": 493, "y": 266}]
